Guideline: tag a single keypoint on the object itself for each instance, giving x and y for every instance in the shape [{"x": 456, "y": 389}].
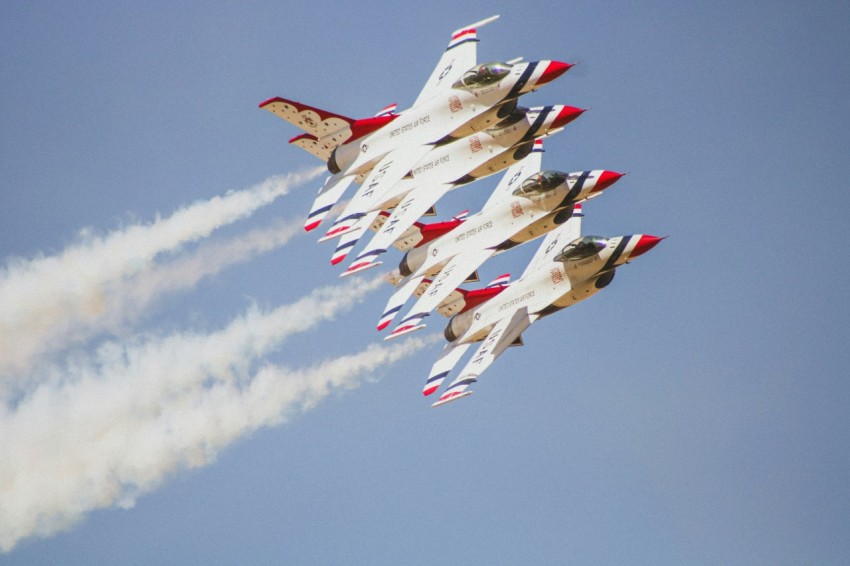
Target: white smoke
[
  {"x": 50, "y": 301},
  {"x": 101, "y": 430},
  {"x": 129, "y": 298}
]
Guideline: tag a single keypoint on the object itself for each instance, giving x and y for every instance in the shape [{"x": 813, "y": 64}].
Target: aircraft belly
[
  {"x": 539, "y": 227},
  {"x": 578, "y": 293},
  {"x": 477, "y": 233},
  {"x": 582, "y": 270},
  {"x": 441, "y": 115}
]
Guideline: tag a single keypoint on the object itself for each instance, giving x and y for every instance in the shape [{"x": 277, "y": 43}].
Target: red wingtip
[
  {"x": 383, "y": 325},
  {"x": 312, "y": 225},
  {"x": 336, "y": 260},
  {"x": 430, "y": 390}
]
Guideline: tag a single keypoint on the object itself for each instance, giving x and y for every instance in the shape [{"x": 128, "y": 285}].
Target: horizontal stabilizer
[
  {"x": 406, "y": 329},
  {"x": 312, "y": 145},
  {"x": 408, "y": 325},
  {"x": 449, "y": 397},
  {"x": 455, "y": 394},
  {"x": 332, "y": 128},
  {"x": 360, "y": 266}
]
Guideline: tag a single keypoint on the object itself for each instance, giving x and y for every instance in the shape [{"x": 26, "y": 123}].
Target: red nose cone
[
  {"x": 553, "y": 70},
  {"x": 606, "y": 179},
  {"x": 567, "y": 115},
  {"x": 645, "y": 244}
]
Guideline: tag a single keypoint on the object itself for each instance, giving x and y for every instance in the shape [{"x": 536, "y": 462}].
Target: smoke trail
[
  {"x": 43, "y": 299},
  {"x": 129, "y": 298},
  {"x": 103, "y": 430},
  {"x": 209, "y": 259}
]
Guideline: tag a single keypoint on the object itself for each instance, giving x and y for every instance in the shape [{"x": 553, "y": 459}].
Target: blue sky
[{"x": 694, "y": 412}]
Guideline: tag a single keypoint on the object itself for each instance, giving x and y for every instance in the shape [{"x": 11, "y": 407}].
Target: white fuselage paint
[
  {"x": 432, "y": 120},
  {"x": 555, "y": 283},
  {"x": 479, "y": 155}
]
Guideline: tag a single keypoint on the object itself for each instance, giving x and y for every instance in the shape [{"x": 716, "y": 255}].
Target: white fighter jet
[
  {"x": 443, "y": 169},
  {"x": 566, "y": 269},
  {"x": 461, "y": 97},
  {"x": 527, "y": 204}
]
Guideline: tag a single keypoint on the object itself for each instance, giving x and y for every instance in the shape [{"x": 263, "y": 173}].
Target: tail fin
[
  {"x": 387, "y": 110},
  {"x": 428, "y": 232},
  {"x": 461, "y": 300},
  {"x": 500, "y": 281}
]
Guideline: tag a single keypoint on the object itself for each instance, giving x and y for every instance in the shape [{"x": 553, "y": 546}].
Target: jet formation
[{"x": 465, "y": 124}]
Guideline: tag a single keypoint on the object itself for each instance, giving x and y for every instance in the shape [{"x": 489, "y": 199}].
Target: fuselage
[
  {"x": 450, "y": 111},
  {"x": 535, "y": 206},
  {"x": 465, "y": 160},
  {"x": 553, "y": 286}
]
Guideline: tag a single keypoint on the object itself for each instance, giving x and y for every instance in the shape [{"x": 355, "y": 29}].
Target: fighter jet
[
  {"x": 460, "y": 97},
  {"x": 443, "y": 169},
  {"x": 527, "y": 204},
  {"x": 566, "y": 269}
]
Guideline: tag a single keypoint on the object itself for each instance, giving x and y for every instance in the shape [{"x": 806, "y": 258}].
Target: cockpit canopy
[
  {"x": 540, "y": 183},
  {"x": 582, "y": 248},
  {"x": 483, "y": 75}
]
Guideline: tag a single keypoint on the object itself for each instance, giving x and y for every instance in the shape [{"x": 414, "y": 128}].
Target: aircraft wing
[
  {"x": 391, "y": 169},
  {"x": 517, "y": 173},
  {"x": 347, "y": 241},
  {"x": 328, "y": 196},
  {"x": 414, "y": 205},
  {"x": 397, "y": 300},
  {"x": 460, "y": 56},
  {"x": 501, "y": 336},
  {"x": 450, "y": 277},
  {"x": 555, "y": 241},
  {"x": 447, "y": 361},
  {"x": 315, "y": 121}
]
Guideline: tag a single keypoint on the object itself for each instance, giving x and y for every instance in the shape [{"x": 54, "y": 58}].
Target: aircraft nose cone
[
  {"x": 567, "y": 115},
  {"x": 645, "y": 244},
  {"x": 606, "y": 179},
  {"x": 553, "y": 70}
]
